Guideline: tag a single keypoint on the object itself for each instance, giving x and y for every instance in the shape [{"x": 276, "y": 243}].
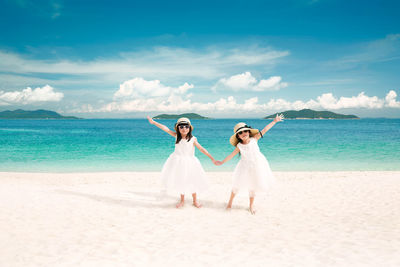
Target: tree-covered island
[
  {"x": 35, "y": 114},
  {"x": 311, "y": 114}
]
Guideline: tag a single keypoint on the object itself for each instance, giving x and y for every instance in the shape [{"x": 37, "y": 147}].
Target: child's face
[
  {"x": 184, "y": 129},
  {"x": 244, "y": 135}
]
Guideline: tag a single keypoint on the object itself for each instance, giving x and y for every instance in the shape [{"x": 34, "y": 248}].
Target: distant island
[
  {"x": 35, "y": 114},
  {"x": 191, "y": 116},
  {"x": 311, "y": 114}
]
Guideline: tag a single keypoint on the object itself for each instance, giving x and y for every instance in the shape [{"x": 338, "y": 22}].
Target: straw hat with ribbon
[
  {"x": 240, "y": 127},
  {"x": 183, "y": 121}
]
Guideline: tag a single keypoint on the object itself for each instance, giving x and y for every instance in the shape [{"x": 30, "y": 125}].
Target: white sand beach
[{"x": 122, "y": 219}]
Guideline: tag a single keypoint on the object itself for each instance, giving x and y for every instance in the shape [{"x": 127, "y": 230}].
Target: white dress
[
  {"x": 182, "y": 172},
  {"x": 252, "y": 173}
]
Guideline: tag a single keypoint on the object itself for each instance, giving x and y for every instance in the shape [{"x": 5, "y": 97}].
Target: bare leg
[
  {"x": 180, "y": 204},
  {"x": 229, "y": 206},
  {"x": 195, "y": 203},
  {"x": 251, "y": 207}
]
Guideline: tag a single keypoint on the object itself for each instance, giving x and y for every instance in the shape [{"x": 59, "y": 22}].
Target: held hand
[
  {"x": 279, "y": 118},
  {"x": 218, "y": 163},
  {"x": 151, "y": 121}
]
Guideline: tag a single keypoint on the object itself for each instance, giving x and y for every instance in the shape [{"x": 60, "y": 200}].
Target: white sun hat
[
  {"x": 240, "y": 127},
  {"x": 183, "y": 121}
]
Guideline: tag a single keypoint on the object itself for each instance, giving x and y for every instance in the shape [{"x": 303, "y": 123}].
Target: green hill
[
  {"x": 311, "y": 114},
  {"x": 191, "y": 116},
  {"x": 36, "y": 114}
]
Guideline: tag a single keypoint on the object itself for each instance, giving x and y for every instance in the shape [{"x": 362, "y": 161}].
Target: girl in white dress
[
  {"x": 182, "y": 172},
  {"x": 252, "y": 173}
]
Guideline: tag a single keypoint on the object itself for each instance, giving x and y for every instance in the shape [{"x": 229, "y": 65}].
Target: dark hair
[
  {"x": 240, "y": 141},
  {"x": 179, "y": 136},
  {"x": 237, "y": 137}
]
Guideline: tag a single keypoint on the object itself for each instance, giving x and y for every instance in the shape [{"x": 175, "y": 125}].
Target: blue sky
[{"x": 217, "y": 58}]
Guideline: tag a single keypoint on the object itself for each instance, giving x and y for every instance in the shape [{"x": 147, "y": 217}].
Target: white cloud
[
  {"x": 246, "y": 81},
  {"x": 141, "y": 88},
  {"x": 272, "y": 84},
  {"x": 328, "y": 101},
  {"x": 237, "y": 82},
  {"x": 29, "y": 96},
  {"x": 138, "y": 87},
  {"x": 229, "y": 105},
  {"x": 184, "y": 88},
  {"x": 249, "y": 57},
  {"x": 163, "y": 63},
  {"x": 135, "y": 105},
  {"x": 391, "y": 100},
  {"x": 138, "y": 94}
]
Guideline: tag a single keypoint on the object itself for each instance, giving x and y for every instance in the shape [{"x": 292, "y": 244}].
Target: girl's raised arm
[
  {"x": 204, "y": 151},
  {"x": 161, "y": 126},
  {"x": 229, "y": 157},
  {"x": 278, "y": 118}
]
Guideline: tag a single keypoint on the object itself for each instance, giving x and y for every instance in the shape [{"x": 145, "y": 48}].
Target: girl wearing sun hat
[
  {"x": 252, "y": 173},
  {"x": 182, "y": 172}
]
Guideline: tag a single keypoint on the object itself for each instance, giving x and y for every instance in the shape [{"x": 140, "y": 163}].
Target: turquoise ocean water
[{"x": 135, "y": 145}]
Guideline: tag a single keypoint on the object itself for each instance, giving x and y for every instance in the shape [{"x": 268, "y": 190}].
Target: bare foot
[
  {"x": 252, "y": 210},
  {"x": 180, "y": 204},
  {"x": 197, "y": 204},
  {"x": 228, "y": 207}
]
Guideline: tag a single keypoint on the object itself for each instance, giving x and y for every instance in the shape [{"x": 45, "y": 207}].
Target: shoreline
[{"x": 207, "y": 171}]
